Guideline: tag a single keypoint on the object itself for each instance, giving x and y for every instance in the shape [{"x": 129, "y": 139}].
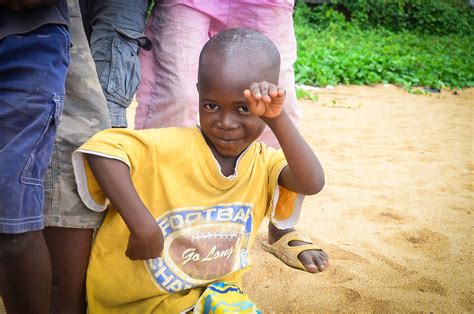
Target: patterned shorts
[{"x": 224, "y": 297}]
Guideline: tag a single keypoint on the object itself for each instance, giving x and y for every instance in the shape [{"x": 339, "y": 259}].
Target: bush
[
  {"x": 438, "y": 17},
  {"x": 335, "y": 51}
]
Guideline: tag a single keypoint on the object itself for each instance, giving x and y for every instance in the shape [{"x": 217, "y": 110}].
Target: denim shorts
[{"x": 33, "y": 69}]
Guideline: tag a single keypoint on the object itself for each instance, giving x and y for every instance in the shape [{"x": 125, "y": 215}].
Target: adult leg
[
  {"x": 116, "y": 36},
  {"x": 32, "y": 74},
  {"x": 25, "y": 272},
  {"x": 167, "y": 95},
  {"x": 70, "y": 249},
  {"x": 69, "y": 224}
]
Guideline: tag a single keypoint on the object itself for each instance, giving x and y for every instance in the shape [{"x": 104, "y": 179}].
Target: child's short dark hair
[{"x": 241, "y": 43}]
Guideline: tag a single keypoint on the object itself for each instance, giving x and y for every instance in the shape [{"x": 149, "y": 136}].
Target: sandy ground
[{"x": 396, "y": 214}]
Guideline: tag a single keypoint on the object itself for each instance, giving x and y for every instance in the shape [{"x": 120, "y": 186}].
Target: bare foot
[{"x": 313, "y": 260}]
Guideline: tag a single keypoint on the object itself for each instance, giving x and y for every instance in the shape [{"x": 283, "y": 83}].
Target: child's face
[{"x": 225, "y": 120}]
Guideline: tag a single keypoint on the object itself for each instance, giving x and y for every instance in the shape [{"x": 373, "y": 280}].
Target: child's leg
[
  {"x": 69, "y": 224},
  {"x": 167, "y": 95},
  {"x": 32, "y": 74}
]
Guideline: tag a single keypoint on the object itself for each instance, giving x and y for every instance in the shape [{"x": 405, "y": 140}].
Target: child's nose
[{"x": 228, "y": 121}]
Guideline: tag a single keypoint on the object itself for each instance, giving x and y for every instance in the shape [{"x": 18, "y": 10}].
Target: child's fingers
[
  {"x": 131, "y": 255},
  {"x": 256, "y": 106},
  {"x": 267, "y": 99},
  {"x": 263, "y": 88},
  {"x": 264, "y": 99},
  {"x": 279, "y": 97},
  {"x": 281, "y": 92},
  {"x": 255, "y": 89},
  {"x": 272, "y": 91},
  {"x": 251, "y": 100}
]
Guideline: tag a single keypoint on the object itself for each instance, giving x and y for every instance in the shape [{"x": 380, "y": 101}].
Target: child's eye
[
  {"x": 243, "y": 109},
  {"x": 211, "y": 106}
]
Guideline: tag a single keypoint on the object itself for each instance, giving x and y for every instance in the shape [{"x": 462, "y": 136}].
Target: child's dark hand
[
  {"x": 265, "y": 99},
  {"x": 146, "y": 244}
]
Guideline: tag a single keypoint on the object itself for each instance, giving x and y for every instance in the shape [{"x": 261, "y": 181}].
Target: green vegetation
[
  {"x": 304, "y": 94},
  {"x": 436, "y": 17},
  {"x": 411, "y": 44}
]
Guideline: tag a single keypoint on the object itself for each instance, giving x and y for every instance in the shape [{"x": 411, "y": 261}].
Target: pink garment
[{"x": 167, "y": 95}]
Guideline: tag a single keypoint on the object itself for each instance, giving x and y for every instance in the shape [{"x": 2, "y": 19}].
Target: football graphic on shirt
[
  {"x": 202, "y": 244},
  {"x": 207, "y": 252}
]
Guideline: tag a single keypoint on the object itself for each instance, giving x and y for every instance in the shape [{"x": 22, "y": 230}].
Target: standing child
[{"x": 191, "y": 200}]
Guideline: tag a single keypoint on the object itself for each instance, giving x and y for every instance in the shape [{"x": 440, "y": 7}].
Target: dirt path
[{"x": 396, "y": 214}]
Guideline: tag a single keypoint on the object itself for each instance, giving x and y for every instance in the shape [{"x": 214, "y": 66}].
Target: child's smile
[
  {"x": 227, "y": 132},
  {"x": 227, "y": 123},
  {"x": 223, "y": 144}
]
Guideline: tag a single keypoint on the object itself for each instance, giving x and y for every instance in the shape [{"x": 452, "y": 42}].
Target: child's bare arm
[
  {"x": 113, "y": 176},
  {"x": 304, "y": 173}
]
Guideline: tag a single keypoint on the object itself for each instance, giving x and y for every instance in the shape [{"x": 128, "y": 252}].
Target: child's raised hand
[{"x": 265, "y": 99}]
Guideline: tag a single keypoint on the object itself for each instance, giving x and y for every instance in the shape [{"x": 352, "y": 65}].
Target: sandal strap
[
  {"x": 289, "y": 254},
  {"x": 294, "y": 236}
]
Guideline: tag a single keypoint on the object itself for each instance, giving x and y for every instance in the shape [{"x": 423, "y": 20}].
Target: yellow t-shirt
[{"x": 209, "y": 221}]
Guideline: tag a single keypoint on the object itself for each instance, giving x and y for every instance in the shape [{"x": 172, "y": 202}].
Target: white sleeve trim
[
  {"x": 291, "y": 221},
  {"x": 81, "y": 178}
]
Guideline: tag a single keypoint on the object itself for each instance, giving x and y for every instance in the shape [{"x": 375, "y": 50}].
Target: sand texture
[{"x": 396, "y": 213}]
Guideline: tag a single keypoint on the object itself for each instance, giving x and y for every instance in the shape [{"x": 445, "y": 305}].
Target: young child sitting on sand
[{"x": 190, "y": 200}]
